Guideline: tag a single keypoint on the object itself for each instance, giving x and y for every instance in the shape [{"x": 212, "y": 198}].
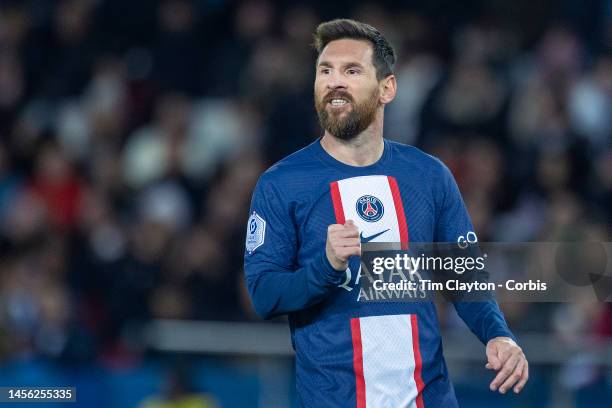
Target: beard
[{"x": 347, "y": 126}]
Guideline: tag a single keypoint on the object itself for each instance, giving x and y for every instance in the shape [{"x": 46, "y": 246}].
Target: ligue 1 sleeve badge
[
  {"x": 370, "y": 208},
  {"x": 256, "y": 232}
]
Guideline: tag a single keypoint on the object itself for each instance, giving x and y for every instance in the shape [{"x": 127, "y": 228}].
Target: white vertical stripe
[
  {"x": 388, "y": 361},
  {"x": 352, "y": 189}
]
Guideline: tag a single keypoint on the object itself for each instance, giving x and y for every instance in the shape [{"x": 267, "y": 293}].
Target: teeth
[{"x": 338, "y": 102}]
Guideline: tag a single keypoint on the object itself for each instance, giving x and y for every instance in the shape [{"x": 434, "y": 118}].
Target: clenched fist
[{"x": 342, "y": 242}]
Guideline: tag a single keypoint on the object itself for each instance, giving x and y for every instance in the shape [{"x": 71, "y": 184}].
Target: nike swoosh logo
[{"x": 371, "y": 237}]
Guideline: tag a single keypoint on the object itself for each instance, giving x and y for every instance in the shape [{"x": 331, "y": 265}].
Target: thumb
[{"x": 350, "y": 223}]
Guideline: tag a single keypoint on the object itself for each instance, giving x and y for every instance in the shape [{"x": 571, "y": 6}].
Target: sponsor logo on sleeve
[
  {"x": 469, "y": 238},
  {"x": 256, "y": 232}
]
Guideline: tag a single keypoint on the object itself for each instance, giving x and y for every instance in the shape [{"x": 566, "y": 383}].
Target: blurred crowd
[{"x": 132, "y": 134}]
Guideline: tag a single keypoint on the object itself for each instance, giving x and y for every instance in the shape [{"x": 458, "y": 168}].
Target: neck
[{"x": 363, "y": 150}]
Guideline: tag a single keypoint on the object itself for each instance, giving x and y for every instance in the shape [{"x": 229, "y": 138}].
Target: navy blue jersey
[{"x": 352, "y": 353}]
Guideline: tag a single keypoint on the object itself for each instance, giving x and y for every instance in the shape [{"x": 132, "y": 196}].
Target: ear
[{"x": 388, "y": 88}]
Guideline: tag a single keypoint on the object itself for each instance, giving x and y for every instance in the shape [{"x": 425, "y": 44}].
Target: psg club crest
[{"x": 370, "y": 208}]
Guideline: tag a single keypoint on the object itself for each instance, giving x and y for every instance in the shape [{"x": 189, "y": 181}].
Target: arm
[
  {"x": 276, "y": 290},
  {"x": 276, "y": 286},
  {"x": 484, "y": 318}
]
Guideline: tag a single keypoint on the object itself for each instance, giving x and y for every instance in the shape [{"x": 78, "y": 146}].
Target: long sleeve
[
  {"x": 275, "y": 283},
  {"x": 484, "y": 318}
]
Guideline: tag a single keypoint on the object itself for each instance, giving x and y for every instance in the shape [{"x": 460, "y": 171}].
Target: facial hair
[{"x": 348, "y": 126}]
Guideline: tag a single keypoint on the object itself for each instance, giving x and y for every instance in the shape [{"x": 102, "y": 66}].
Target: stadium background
[{"x": 132, "y": 133}]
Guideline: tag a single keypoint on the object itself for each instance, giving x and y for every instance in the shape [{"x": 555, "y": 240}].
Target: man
[{"x": 311, "y": 211}]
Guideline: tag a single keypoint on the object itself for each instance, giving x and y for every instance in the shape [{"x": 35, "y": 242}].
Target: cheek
[
  {"x": 373, "y": 92},
  {"x": 319, "y": 95},
  {"x": 365, "y": 93},
  {"x": 319, "y": 86},
  {"x": 363, "y": 86}
]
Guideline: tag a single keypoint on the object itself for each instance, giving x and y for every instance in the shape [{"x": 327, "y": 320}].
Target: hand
[
  {"x": 506, "y": 357},
  {"x": 342, "y": 242}
]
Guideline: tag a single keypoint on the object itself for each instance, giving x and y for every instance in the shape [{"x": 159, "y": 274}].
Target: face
[{"x": 347, "y": 93}]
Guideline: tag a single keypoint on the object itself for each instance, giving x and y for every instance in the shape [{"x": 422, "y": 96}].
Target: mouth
[{"x": 338, "y": 102}]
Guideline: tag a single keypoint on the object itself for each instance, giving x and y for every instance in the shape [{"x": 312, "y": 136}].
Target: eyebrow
[{"x": 345, "y": 66}]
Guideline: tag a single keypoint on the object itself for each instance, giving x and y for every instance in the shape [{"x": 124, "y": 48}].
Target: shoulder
[
  {"x": 414, "y": 157},
  {"x": 292, "y": 170}
]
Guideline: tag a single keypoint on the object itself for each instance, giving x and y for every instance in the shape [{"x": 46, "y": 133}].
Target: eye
[
  {"x": 324, "y": 70},
  {"x": 352, "y": 71}
]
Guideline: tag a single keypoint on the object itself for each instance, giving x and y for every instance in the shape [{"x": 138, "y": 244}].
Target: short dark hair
[{"x": 383, "y": 57}]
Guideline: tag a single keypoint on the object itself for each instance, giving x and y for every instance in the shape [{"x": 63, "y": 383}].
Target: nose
[{"x": 336, "y": 81}]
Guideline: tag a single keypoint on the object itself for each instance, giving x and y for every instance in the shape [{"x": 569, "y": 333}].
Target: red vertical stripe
[
  {"x": 418, "y": 363},
  {"x": 337, "y": 200},
  {"x": 399, "y": 209},
  {"x": 358, "y": 363}
]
